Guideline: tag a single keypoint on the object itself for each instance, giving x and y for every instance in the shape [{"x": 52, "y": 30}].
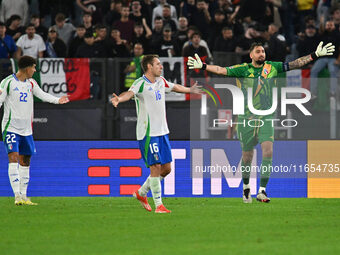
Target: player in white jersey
[
  {"x": 16, "y": 92},
  {"x": 152, "y": 128}
]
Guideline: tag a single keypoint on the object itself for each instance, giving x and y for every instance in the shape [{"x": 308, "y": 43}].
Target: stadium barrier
[{"x": 113, "y": 168}]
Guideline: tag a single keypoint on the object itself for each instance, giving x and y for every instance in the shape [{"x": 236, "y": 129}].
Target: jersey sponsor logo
[
  {"x": 27, "y": 47},
  {"x": 150, "y": 88},
  {"x": 16, "y": 89}
]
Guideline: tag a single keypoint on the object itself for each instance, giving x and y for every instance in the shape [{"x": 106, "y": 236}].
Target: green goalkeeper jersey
[{"x": 261, "y": 80}]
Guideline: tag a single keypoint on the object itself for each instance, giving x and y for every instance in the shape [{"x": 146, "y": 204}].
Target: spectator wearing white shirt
[
  {"x": 158, "y": 12},
  {"x": 10, "y": 7},
  {"x": 31, "y": 44}
]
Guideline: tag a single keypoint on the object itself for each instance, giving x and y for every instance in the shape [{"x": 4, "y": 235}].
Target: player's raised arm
[
  {"x": 196, "y": 63},
  {"x": 125, "y": 96},
  {"x": 194, "y": 89},
  {"x": 321, "y": 51}
]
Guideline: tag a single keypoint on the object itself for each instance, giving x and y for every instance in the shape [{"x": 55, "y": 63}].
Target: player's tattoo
[{"x": 300, "y": 62}]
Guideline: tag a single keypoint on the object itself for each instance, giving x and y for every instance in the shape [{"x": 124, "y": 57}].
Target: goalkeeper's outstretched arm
[
  {"x": 196, "y": 63},
  {"x": 321, "y": 51}
]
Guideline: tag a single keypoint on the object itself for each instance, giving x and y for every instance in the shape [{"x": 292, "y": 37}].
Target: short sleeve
[
  {"x": 137, "y": 87},
  {"x": 168, "y": 86},
  {"x": 41, "y": 46},
  {"x": 237, "y": 70},
  {"x": 20, "y": 42}
]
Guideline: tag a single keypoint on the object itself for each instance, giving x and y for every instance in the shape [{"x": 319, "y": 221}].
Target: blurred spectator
[
  {"x": 216, "y": 26},
  {"x": 213, "y": 7},
  {"x": 17, "y": 7},
  {"x": 87, "y": 22},
  {"x": 182, "y": 31},
  {"x": 308, "y": 41},
  {"x": 250, "y": 36},
  {"x": 272, "y": 15},
  {"x": 76, "y": 41},
  {"x": 119, "y": 47},
  {"x": 287, "y": 13},
  {"x": 101, "y": 39},
  {"x": 167, "y": 20},
  {"x": 167, "y": 46},
  {"x": 147, "y": 9},
  {"x": 158, "y": 11},
  {"x": 336, "y": 17},
  {"x": 125, "y": 25},
  {"x": 90, "y": 49},
  {"x": 323, "y": 9},
  {"x": 8, "y": 48},
  {"x": 188, "y": 7},
  {"x": 255, "y": 9},
  {"x": 226, "y": 41},
  {"x": 277, "y": 48},
  {"x": 202, "y": 42},
  {"x": 55, "y": 47},
  {"x": 201, "y": 18},
  {"x": 133, "y": 71},
  {"x": 157, "y": 32},
  {"x": 309, "y": 21},
  {"x": 194, "y": 47},
  {"x": 142, "y": 37},
  {"x": 64, "y": 30},
  {"x": 328, "y": 34},
  {"x": 39, "y": 29},
  {"x": 304, "y": 8},
  {"x": 94, "y": 7},
  {"x": 114, "y": 14},
  {"x": 136, "y": 14},
  {"x": 31, "y": 44},
  {"x": 13, "y": 27}
]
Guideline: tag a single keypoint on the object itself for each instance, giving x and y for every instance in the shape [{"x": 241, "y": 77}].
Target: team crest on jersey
[
  {"x": 10, "y": 146},
  {"x": 265, "y": 71},
  {"x": 156, "y": 156}
]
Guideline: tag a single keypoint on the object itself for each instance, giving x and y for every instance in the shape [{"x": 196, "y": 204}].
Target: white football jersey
[
  {"x": 17, "y": 97},
  {"x": 150, "y": 106}
]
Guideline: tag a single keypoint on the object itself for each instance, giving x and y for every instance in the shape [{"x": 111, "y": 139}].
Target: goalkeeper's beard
[{"x": 259, "y": 62}]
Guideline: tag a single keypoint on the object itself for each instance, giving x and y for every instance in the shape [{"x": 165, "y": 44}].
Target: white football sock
[
  {"x": 246, "y": 186},
  {"x": 24, "y": 173},
  {"x": 156, "y": 189},
  {"x": 262, "y": 188},
  {"x": 146, "y": 186},
  {"x": 14, "y": 179}
]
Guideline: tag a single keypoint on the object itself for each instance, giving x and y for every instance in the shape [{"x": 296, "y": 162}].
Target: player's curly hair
[
  {"x": 26, "y": 61},
  {"x": 147, "y": 59}
]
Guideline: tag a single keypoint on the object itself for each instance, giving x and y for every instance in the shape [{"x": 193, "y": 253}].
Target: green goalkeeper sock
[
  {"x": 265, "y": 171},
  {"x": 245, "y": 167}
]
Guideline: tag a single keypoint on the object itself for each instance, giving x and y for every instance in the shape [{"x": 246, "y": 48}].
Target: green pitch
[{"x": 196, "y": 226}]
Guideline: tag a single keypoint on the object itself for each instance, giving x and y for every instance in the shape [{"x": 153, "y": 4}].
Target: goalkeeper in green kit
[{"x": 258, "y": 75}]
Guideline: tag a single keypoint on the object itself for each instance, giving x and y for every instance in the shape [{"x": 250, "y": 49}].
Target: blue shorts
[
  {"x": 155, "y": 150},
  {"x": 18, "y": 143}
]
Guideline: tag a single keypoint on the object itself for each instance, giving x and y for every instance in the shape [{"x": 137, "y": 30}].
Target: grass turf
[{"x": 196, "y": 226}]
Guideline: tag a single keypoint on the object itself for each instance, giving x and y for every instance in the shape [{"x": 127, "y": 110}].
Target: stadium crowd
[{"x": 131, "y": 28}]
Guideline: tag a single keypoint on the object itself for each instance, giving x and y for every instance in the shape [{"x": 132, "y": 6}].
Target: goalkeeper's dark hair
[
  {"x": 254, "y": 45},
  {"x": 148, "y": 59},
  {"x": 26, "y": 61}
]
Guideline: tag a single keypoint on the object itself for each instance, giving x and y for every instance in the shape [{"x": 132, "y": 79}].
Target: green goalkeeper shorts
[{"x": 253, "y": 132}]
